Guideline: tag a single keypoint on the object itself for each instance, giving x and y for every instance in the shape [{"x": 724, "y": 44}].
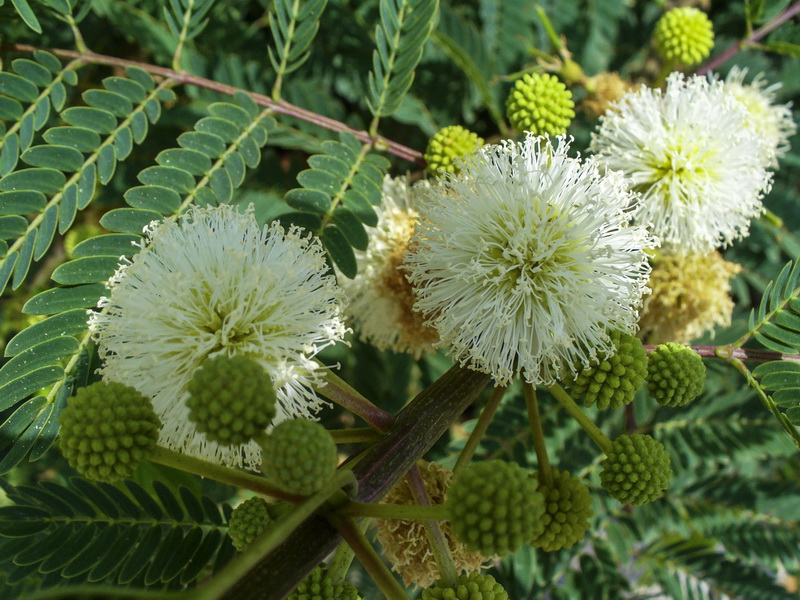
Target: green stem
[
  {"x": 666, "y": 69},
  {"x": 598, "y": 437},
  {"x": 354, "y": 435},
  {"x": 433, "y": 531},
  {"x": 197, "y": 466},
  {"x": 273, "y": 537},
  {"x": 373, "y": 563},
  {"x": 337, "y": 390},
  {"x": 537, "y": 432},
  {"x": 340, "y": 563},
  {"x": 404, "y": 512},
  {"x": 548, "y": 27},
  {"x": 480, "y": 428}
]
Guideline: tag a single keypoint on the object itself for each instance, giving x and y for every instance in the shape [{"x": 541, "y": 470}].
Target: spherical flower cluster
[
  {"x": 684, "y": 35},
  {"x": 693, "y": 158},
  {"x": 567, "y": 511},
  {"x": 380, "y": 298},
  {"x": 541, "y": 104},
  {"x": 300, "y": 455},
  {"x": 677, "y": 374},
  {"x": 471, "y": 586},
  {"x": 614, "y": 381},
  {"x": 636, "y": 469},
  {"x": 318, "y": 586},
  {"x": 690, "y": 297},
  {"x": 604, "y": 89},
  {"x": 526, "y": 262},
  {"x": 448, "y": 144},
  {"x": 405, "y": 543},
  {"x": 248, "y": 521},
  {"x": 231, "y": 400},
  {"x": 106, "y": 430},
  {"x": 771, "y": 121},
  {"x": 494, "y": 507},
  {"x": 212, "y": 282}
]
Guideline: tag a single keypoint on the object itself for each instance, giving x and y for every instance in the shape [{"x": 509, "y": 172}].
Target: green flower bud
[
  {"x": 470, "y": 586},
  {"x": 614, "y": 381},
  {"x": 318, "y": 586},
  {"x": 636, "y": 470},
  {"x": 300, "y": 455},
  {"x": 231, "y": 400},
  {"x": 677, "y": 374},
  {"x": 106, "y": 430},
  {"x": 248, "y": 521},
  {"x": 540, "y": 103},
  {"x": 684, "y": 35},
  {"x": 448, "y": 144},
  {"x": 567, "y": 511},
  {"x": 494, "y": 507}
]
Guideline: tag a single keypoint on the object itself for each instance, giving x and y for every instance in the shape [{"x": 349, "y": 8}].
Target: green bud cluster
[
  {"x": 447, "y": 145},
  {"x": 470, "y": 586},
  {"x": 318, "y": 586},
  {"x": 684, "y": 35},
  {"x": 300, "y": 455},
  {"x": 540, "y": 103},
  {"x": 614, "y": 381},
  {"x": 676, "y": 376},
  {"x": 494, "y": 507},
  {"x": 248, "y": 521},
  {"x": 567, "y": 511},
  {"x": 636, "y": 469},
  {"x": 106, "y": 430},
  {"x": 231, "y": 400}
]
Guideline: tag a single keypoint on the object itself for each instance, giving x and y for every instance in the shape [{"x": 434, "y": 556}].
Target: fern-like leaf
[
  {"x": 63, "y": 171},
  {"x": 95, "y": 532},
  {"x": 782, "y": 379},
  {"x": 776, "y": 323},
  {"x": 337, "y": 198},
  {"x": 294, "y": 24},
  {"x": 404, "y": 28},
  {"x": 186, "y": 20}
]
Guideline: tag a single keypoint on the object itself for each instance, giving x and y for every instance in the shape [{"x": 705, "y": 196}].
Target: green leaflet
[
  {"x": 336, "y": 200},
  {"x": 403, "y": 30},
  {"x": 64, "y": 170},
  {"x": 97, "y": 531}
]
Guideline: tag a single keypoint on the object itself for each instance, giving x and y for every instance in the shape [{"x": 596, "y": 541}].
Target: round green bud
[
  {"x": 447, "y": 145},
  {"x": 567, "y": 511},
  {"x": 106, "y": 430},
  {"x": 231, "y": 400},
  {"x": 540, "y": 103},
  {"x": 494, "y": 507},
  {"x": 300, "y": 455},
  {"x": 470, "y": 586},
  {"x": 614, "y": 381},
  {"x": 248, "y": 521},
  {"x": 318, "y": 586},
  {"x": 676, "y": 374},
  {"x": 684, "y": 35},
  {"x": 636, "y": 469}
]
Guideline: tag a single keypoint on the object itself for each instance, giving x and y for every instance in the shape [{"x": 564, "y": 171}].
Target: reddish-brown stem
[
  {"x": 759, "y": 33},
  {"x": 279, "y": 106},
  {"x": 727, "y": 352}
]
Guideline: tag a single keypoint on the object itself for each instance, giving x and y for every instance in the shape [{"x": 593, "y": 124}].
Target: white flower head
[
  {"x": 380, "y": 298},
  {"x": 213, "y": 282},
  {"x": 525, "y": 261},
  {"x": 772, "y": 121},
  {"x": 692, "y": 156}
]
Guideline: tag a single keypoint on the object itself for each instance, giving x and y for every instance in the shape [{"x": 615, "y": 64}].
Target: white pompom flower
[
  {"x": 380, "y": 298},
  {"x": 213, "y": 282},
  {"x": 525, "y": 261},
  {"x": 771, "y": 121},
  {"x": 692, "y": 156}
]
